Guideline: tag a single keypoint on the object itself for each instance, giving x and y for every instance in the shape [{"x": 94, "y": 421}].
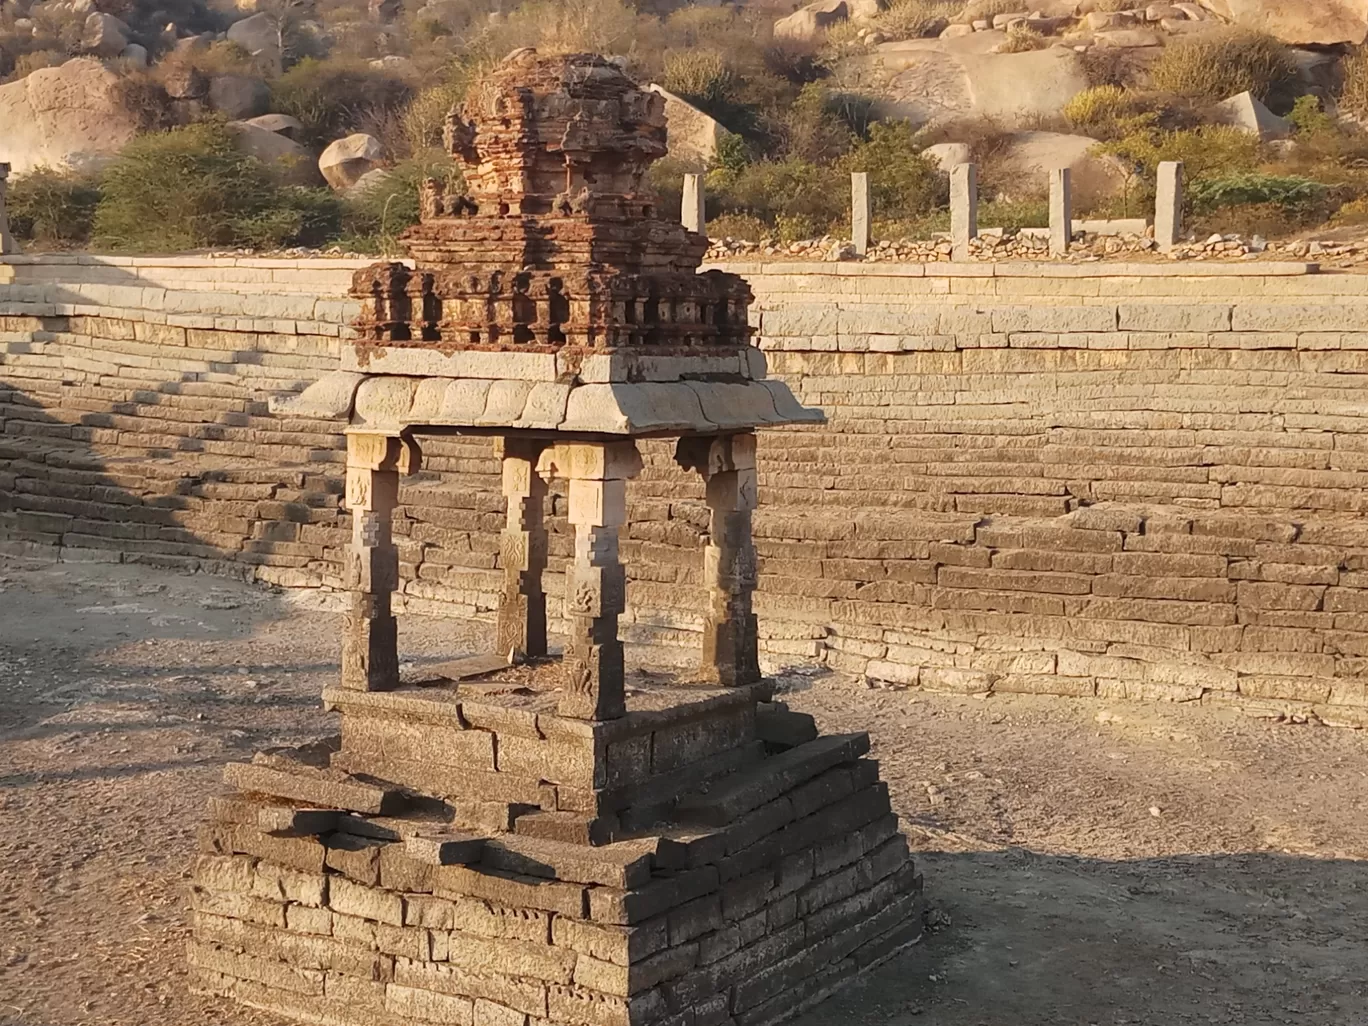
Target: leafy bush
[
  {"x": 792, "y": 190},
  {"x": 53, "y": 208},
  {"x": 813, "y": 130},
  {"x": 372, "y": 221},
  {"x": 1215, "y": 66},
  {"x": 333, "y": 98},
  {"x": 1108, "y": 112},
  {"x": 426, "y": 114},
  {"x": 1310, "y": 119},
  {"x": 1255, "y": 187},
  {"x": 1208, "y": 151},
  {"x": 190, "y": 188},
  {"x": 902, "y": 182},
  {"x": 700, "y": 76}
]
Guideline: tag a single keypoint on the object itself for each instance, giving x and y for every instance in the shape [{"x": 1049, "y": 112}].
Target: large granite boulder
[
  {"x": 69, "y": 116},
  {"x": 932, "y": 81},
  {"x": 692, "y": 135},
  {"x": 291, "y": 161},
  {"x": 345, "y": 161},
  {"x": 104, "y": 35},
  {"x": 239, "y": 96},
  {"x": 257, "y": 35},
  {"x": 807, "y": 23},
  {"x": 1303, "y": 22},
  {"x": 1031, "y": 156}
]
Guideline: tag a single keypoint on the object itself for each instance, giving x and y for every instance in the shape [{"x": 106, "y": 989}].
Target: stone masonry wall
[{"x": 1135, "y": 481}]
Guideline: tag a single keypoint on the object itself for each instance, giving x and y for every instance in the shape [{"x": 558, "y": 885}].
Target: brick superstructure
[{"x": 517, "y": 838}]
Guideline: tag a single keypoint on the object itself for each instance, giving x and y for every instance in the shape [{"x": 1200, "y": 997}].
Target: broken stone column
[
  {"x": 730, "y": 637},
  {"x": 859, "y": 211},
  {"x": 1168, "y": 205},
  {"x": 595, "y": 581},
  {"x": 1061, "y": 211},
  {"x": 963, "y": 209},
  {"x": 7, "y": 243},
  {"x": 370, "y": 656},
  {"x": 692, "y": 207},
  {"x": 521, "y": 629}
]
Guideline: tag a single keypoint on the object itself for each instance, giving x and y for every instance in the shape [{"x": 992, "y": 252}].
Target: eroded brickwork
[{"x": 1082, "y": 481}]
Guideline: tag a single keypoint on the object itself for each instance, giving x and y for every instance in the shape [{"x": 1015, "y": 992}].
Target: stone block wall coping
[
  {"x": 1003, "y": 269},
  {"x": 189, "y": 261},
  {"x": 1020, "y": 269}
]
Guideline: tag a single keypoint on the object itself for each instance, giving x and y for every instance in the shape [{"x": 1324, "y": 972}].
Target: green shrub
[
  {"x": 53, "y": 208},
  {"x": 1289, "y": 192},
  {"x": 1108, "y": 112},
  {"x": 902, "y": 182},
  {"x": 1310, "y": 119},
  {"x": 333, "y": 98},
  {"x": 739, "y": 226},
  {"x": 812, "y": 129},
  {"x": 700, "y": 76},
  {"x": 1208, "y": 151},
  {"x": 791, "y": 189},
  {"x": 372, "y": 221},
  {"x": 1215, "y": 66},
  {"x": 426, "y": 114},
  {"x": 190, "y": 188}
]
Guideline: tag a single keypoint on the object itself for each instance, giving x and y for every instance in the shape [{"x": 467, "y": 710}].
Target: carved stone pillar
[
  {"x": 596, "y": 584},
  {"x": 370, "y": 654},
  {"x": 730, "y": 643},
  {"x": 7, "y": 243},
  {"x": 522, "y": 608}
]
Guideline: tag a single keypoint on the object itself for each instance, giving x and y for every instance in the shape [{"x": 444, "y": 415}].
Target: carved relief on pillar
[
  {"x": 595, "y": 581},
  {"x": 730, "y": 634}
]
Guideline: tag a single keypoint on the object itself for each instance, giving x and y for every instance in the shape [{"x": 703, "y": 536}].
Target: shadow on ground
[{"x": 1019, "y": 938}]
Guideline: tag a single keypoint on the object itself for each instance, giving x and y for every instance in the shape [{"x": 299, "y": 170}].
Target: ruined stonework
[{"x": 521, "y": 838}]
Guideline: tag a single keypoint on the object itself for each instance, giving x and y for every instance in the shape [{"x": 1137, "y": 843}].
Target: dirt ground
[{"x": 1086, "y": 862}]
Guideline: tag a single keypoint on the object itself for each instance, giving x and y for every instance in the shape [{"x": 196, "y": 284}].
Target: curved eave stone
[{"x": 389, "y": 404}]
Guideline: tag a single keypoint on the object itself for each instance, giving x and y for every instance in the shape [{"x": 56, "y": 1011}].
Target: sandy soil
[{"x": 1086, "y": 862}]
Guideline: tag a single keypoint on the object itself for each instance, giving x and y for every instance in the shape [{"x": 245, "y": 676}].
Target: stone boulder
[
  {"x": 1301, "y": 22},
  {"x": 931, "y": 81},
  {"x": 1031, "y": 156},
  {"x": 280, "y": 124},
  {"x": 1244, "y": 111},
  {"x": 347, "y": 159},
  {"x": 257, "y": 35},
  {"x": 64, "y": 117},
  {"x": 104, "y": 36},
  {"x": 293, "y": 162},
  {"x": 239, "y": 96},
  {"x": 134, "y": 55},
  {"x": 948, "y": 155},
  {"x": 692, "y": 135},
  {"x": 807, "y": 23}
]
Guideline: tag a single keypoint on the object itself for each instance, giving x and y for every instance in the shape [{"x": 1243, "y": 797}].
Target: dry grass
[
  {"x": 1218, "y": 65},
  {"x": 912, "y": 19},
  {"x": 1021, "y": 39},
  {"x": 1353, "y": 98}
]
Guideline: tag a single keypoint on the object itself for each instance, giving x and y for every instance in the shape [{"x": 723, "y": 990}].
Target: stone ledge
[{"x": 1019, "y": 269}]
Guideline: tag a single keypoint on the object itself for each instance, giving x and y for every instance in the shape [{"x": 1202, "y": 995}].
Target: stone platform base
[{"x": 339, "y": 897}]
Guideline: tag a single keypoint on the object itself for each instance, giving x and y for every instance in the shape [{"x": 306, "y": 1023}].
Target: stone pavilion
[{"x": 512, "y": 838}]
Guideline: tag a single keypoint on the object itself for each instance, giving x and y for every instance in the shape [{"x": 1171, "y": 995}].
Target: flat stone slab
[
  {"x": 389, "y": 404},
  {"x": 319, "y": 787}
]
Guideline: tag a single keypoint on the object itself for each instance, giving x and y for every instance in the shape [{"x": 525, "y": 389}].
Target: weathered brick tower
[{"x": 518, "y": 840}]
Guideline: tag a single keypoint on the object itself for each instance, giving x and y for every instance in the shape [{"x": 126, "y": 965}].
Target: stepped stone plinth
[{"x": 520, "y": 838}]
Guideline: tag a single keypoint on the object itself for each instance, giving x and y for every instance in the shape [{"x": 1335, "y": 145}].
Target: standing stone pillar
[
  {"x": 595, "y": 582},
  {"x": 370, "y": 648},
  {"x": 963, "y": 209},
  {"x": 7, "y": 243},
  {"x": 522, "y": 610},
  {"x": 730, "y": 637},
  {"x": 691, "y": 209},
  {"x": 859, "y": 211},
  {"x": 1061, "y": 210},
  {"x": 1168, "y": 205}
]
